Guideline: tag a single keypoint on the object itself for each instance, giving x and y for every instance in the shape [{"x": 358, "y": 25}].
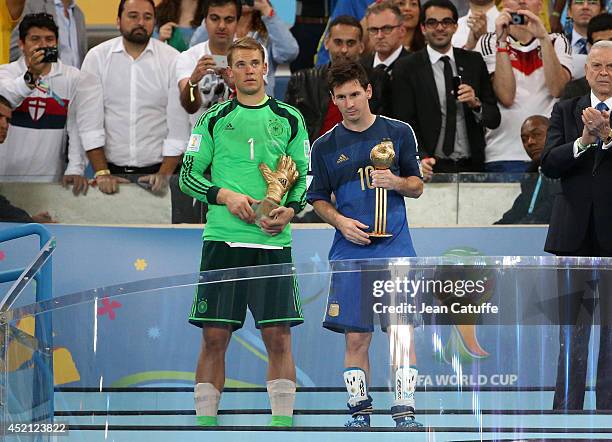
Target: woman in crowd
[
  {"x": 261, "y": 22},
  {"x": 176, "y": 21},
  {"x": 411, "y": 10}
]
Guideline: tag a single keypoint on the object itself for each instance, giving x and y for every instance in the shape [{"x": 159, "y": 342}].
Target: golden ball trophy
[
  {"x": 279, "y": 182},
  {"x": 382, "y": 156}
]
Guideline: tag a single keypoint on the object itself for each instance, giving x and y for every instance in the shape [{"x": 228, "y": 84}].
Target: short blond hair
[{"x": 245, "y": 43}]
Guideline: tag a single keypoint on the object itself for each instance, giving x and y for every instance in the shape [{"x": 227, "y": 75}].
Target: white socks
[
  {"x": 282, "y": 396},
  {"x": 405, "y": 385},
  {"x": 206, "y": 399},
  {"x": 356, "y": 385}
]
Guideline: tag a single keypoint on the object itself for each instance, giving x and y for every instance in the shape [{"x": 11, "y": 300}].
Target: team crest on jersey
[
  {"x": 194, "y": 143},
  {"x": 37, "y": 107},
  {"x": 275, "y": 128}
]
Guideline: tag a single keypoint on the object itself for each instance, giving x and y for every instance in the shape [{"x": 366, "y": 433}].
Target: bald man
[{"x": 534, "y": 203}]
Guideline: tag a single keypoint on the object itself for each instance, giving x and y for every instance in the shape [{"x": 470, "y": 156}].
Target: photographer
[
  {"x": 259, "y": 20},
  {"x": 43, "y": 92},
  {"x": 529, "y": 68}
]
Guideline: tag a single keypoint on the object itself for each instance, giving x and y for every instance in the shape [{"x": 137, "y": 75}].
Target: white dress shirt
[
  {"x": 594, "y": 102},
  {"x": 460, "y": 37},
  {"x": 43, "y": 131},
  {"x": 68, "y": 38},
  {"x": 578, "y": 60},
  {"x": 133, "y": 104},
  {"x": 389, "y": 60}
]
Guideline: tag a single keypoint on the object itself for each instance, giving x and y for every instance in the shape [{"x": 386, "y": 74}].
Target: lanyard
[
  {"x": 44, "y": 87},
  {"x": 536, "y": 191}
]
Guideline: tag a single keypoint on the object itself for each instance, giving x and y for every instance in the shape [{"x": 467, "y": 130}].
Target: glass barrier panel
[{"x": 472, "y": 348}]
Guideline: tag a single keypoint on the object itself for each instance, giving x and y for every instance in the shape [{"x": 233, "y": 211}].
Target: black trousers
[{"x": 576, "y": 315}]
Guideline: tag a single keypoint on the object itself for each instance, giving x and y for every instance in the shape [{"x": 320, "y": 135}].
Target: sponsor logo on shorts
[
  {"x": 202, "y": 306},
  {"x": 334, "y": 310}
]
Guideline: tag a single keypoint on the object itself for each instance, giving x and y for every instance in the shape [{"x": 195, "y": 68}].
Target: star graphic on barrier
[
  {"x": 154, "y": 333},
  {"x": 108, "y": 307},
  {"x": 140, "y": 264},
  {"x": 2, "y": 255}
]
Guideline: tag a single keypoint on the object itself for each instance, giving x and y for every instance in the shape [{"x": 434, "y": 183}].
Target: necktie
[
  {"x": 451, "y": 109},
  {"x": 601, "y": 107},
  {"x": 581, "y": 44}
]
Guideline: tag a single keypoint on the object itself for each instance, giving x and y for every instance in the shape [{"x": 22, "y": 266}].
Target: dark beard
[{"x": 139, "y": 38}]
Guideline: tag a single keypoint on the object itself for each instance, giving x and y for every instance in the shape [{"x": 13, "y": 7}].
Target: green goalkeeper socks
[
  {"x": 207, "y": 421},
  {"x": 281, "y": 421}
]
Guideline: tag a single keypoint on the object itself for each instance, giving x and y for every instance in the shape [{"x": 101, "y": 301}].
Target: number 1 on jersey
[
  {"x": 252, "y": 144},
  {"x": 364, "y": 175}
]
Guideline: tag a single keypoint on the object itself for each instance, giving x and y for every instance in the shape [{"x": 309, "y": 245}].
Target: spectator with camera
[
  {"x": 530, "y": 68},
  {"x": 201, "y": 70},
  {"x": 259, "y": 21},
  {"x": 70, "y": 20},
  {"x": 307, "y": 89},
  {"x": 176, "y": 21},
  {"x": 10, "y": 11},
  {"x": 445, "y": 94},
  {"x": 133, "y": 123},
  {"x": 599, "y": 29},
  {"x": 479, "y": 20},
  {"x": 45, "y": 94}
]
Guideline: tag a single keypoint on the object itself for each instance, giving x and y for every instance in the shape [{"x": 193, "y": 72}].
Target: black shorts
[{"x": 272, "y": 300}]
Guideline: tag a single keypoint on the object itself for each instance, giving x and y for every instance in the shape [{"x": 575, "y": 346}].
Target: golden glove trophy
[
  {"x": 279, "y": 182},
  {"x": 382, "y": 156}
]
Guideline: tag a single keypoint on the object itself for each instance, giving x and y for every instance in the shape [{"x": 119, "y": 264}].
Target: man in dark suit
[
  {"x": 384, "y": 26},
  {"x": 449, "y": 119},
  {"x": 577, "y": 152}
]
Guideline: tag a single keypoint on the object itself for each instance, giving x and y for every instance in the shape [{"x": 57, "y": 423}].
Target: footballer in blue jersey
[{"x": 341, "y": 166}]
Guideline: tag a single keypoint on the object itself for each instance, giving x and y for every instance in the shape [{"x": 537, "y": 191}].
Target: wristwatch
[
  {"x": 30, "y": 80},
  {"x": 608, "y": 139}
]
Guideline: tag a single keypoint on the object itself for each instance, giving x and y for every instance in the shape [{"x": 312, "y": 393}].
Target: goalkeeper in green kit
[{"x": 257, "y": 150}]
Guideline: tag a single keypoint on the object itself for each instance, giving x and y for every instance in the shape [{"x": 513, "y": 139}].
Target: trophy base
[{"x": 379, "y": 235}]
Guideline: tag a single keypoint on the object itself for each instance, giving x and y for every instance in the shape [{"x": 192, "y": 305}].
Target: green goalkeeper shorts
[{"x": 272, "y": 300}]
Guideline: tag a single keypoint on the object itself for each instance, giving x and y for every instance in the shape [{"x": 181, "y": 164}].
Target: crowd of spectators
[{"x": 469, "y": 85}]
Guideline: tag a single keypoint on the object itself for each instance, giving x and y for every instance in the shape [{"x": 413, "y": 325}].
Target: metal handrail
[{"x": 41, "y": 270}]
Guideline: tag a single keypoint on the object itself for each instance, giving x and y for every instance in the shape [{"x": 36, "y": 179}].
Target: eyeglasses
[
  {"x": 432, "y": 23},
  {"x": 588, "y": 2},
  {"x": 386, "y": 30},
  {"x": 40, "y": 15}
]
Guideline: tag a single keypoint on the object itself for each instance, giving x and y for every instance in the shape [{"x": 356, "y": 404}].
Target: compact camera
[
  {"x": 518, "y": 19},
  {"x": 50, "y": 55}
]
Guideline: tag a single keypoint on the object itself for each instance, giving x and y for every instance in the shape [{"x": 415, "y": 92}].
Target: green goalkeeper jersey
[{"x": 233, "y": 139}]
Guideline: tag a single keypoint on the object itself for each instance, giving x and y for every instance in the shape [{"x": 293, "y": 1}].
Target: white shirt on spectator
[
  {"x": 460, "y": 37},
  {"x": 579, "y": 60},
  {"x": 133, "y": 106},
  {"x": 532, "y": 96},
  {"x": 41, "y": 127},
  {"x": 68, "y": 38},
  {"x": 212, "y": 88},
  {"x": 389, "y": 60}
]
